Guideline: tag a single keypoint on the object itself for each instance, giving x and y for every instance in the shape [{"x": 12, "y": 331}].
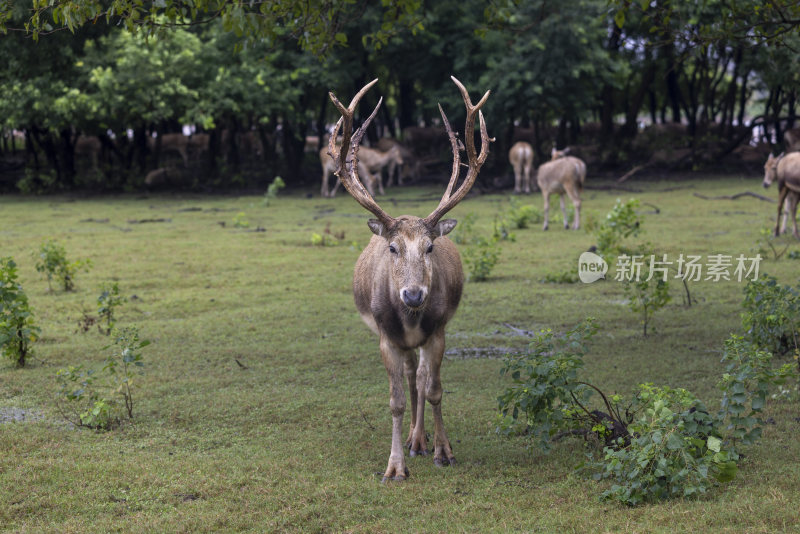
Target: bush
[
  {"x": 520, "y": 216},
  {"x": 272, "y": 190},
  {"x": 771, "y": 318},
  {"x": 107, "y": 303},
  {"x": 17, "y": 326},
  {"x": 52, "y": 261},
  {"x": 663, "y": 443},
  {"x": 481, "y": 256},
  {"x": 620, "y": 223},
  {"x": 646, "y": 297}
]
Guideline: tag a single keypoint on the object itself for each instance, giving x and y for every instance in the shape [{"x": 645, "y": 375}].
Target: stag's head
[
  {"x": 771, "y": 170},
  {"x": 556, "y": 154},
  {"x": 410, "y": 242}
]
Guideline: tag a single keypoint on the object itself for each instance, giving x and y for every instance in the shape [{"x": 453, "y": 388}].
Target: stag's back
[
  {"x": 552, "y": 175},
  {"x": 789, "y": 168}
]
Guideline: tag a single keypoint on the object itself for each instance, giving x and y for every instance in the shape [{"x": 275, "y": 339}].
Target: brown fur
[
  {"x": 374, "y": 161},
  {"x": 521, "y": 158},
  {"x": 399, "y": 173},
  {"x": 785, "y": 169},
  {"x": 562, "y": 175}
]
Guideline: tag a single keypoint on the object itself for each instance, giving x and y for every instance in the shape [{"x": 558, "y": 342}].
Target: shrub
[
  {"x": 99, "y": 400},
  {"x": 481, "y": 256},
  {"x": 107, "y": 303},
  {"x": 272, "y": 190},
  {"x": 52, "y": 261},
  {"x": 522, "y": 216},
  {"x": 17, "y": 326},
  {"x": 240, "y": 220},
  {"x": 646, "y": 297},
  {"x": 620, "y": 223},
  {"x": 663, "y": 443},
  {"x": 771, "y": 317}
]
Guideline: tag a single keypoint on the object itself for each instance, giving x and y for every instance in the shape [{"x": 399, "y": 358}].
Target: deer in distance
[
  {"x": 785, "y": 169},
  {"x": 374, "y": 161},
  {"x": 329, "y": 166},
  {"x": 521, "y": 158},
  {"x": 562, "y": 175},
  {"x": 408, "y": 281}
]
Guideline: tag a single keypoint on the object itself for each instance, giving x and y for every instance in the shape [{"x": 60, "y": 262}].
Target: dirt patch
[
  {"x": 19, "y": 415},
  {"x": 474, "y": 353}
]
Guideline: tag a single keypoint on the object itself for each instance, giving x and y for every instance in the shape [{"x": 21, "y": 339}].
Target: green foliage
[
  {"x": 52, "y": 262},
  {"x": 673, "y": 451},
  {"x": 647, "y": 297},
  {"x": 107, "y": 303},
  {"x": 662, "y": 444},
  {"x": 240, "y": 220},
  {"x": 522, "y": 216},
  {"x": 561, "y": 277},
  {"x": 465, "y": 231},
  {"x": 541, "y": 400},
  {"x": 771, "y": 318},
  {"x": 620, "y": 223},
  {"x": 17, "y": 326},
  {"x": 272, "y": 190},
  {"x": 99, "y": 400},
  {"x": 502, "y": 231},
  {"x": 481, "y": 255}
]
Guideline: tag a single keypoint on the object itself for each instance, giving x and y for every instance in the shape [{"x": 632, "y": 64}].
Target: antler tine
[
  {"x": 347, "y": 169},
  {"x": 449, "y": 200}
]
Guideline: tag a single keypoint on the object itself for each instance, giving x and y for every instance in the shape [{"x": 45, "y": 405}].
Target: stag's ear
[
  {"x": 376, "y": 226},
  {"x": 445, "y": 226}
]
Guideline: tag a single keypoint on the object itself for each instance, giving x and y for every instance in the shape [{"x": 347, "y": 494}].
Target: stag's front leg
[
  {"x": 393, "y": 359},
  {"x": 792, "y": 209},
  {"x": 546, "y": 196},
  {"x": 410, "y": 368},
  {"x": 781, "y": 199},
  {"x": 431, "y": 355},
  {"x": 564, "y": 212}
]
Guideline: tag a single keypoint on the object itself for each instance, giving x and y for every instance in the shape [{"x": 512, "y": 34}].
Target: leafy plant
[
  {"x": 99, "y": 400},
  {"x": 646, "y": 297},
  {"x": 562, "y": 277},
  {"x": 771, "y": 317},
  {"x": 272, "y": 190},
  {"x": 663, "y": 443},
  {"x": 481, "y": 256},
  {"x": 18, "y": 329},
  {"x": 52, "y": 262},
  {"x": 522, "y": 216},
  {"x": 107, "y": 303},
  {"x": 620, "y": 223},
  {"x": 240, "y": 220},
  {"x": 465, "y": 230},
  {"x": 328, "y": 238},
  {"x": 502, "y": 231}
]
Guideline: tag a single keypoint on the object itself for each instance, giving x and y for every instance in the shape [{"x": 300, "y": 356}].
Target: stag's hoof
[
  {"x": 419, "y": 452},
  {"x": 417, "y": 444},
  {"x": 392, "y": 474},
  {"x": 442, "y": 462}
]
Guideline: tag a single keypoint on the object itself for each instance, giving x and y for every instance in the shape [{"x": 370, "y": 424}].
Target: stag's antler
[
  {"x": 349, "y": 177},
  {"x": 449, "y": 200},
  {"x": 352, "y": 140}
]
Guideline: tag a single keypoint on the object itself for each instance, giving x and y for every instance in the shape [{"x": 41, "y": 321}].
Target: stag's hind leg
[
  {"x": 791, "y": 209},
  {"x": 431, "y": 355}
]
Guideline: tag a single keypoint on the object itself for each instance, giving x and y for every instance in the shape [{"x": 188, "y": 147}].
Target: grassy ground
[{"x": 264, "y": 403}]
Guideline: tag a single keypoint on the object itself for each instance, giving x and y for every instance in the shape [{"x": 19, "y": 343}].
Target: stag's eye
[
  {"x": 393, "y": 249},
  {"x": 430, "y": 248}
]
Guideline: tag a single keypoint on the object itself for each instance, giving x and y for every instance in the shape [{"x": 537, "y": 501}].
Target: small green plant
[
  {"x": 328, "y": 238},
  {"x": 766, "y": 244},
  {"x": 240, "y": 220},
  {"x": 522, "y": 216},
  {"x": 272, "y": 190},
  {"x": 771, "y": 318},
  {"x": 620, "y": 223},
  {"x": 561, "y": 277},
  {"x": 502, "y": 230},
  {"x": 52, "y": 262},
  {"x": 794, "y": 255},
  {"x": 18, "y": 329},
  {"x": 107, "y": 303},
  {"x": 647, "y": 297},
  {"x": 481, "y": 256},
  {"x": 99, "y": 400},
  {"x": 465, "y": 230}
]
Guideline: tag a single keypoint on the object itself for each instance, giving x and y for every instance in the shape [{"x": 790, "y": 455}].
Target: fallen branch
[
  {"x": 630, "y": 173},
  {"x": 734, "y": 197}
]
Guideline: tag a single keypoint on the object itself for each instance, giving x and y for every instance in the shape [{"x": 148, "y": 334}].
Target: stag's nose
[
  {"x": 765, "y": 184},
  {"x": 413, "y": 296}
]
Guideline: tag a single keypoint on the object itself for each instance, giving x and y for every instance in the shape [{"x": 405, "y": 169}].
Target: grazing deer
[
  {"x": 521, "y": 158},
  {"x": 375, "y": 161},
  {"x": 562, "y": 174},
  {"x": 398, "y": 173},
  {"x": 785, "y": 169},
  {"x": 329, "y": 166},
  {"x": 408, "y": 281}
]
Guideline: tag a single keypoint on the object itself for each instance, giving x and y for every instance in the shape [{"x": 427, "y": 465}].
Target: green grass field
[{"x": 264, "y": 402}]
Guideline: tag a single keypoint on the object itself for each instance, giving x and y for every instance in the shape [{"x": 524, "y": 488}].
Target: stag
[
  {"x": 407, "y": 283},
  {"x": 521, "y": 158},
  {"x": 785, "y": 169},
  {"x": 562, "y": 175}
]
